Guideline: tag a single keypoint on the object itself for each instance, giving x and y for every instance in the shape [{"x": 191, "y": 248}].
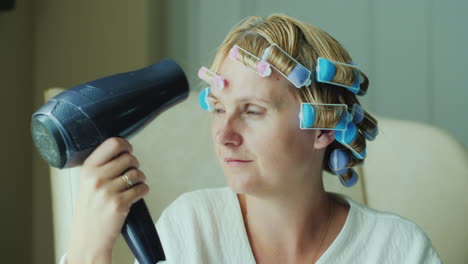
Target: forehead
[{"x": 241, "y": 81}]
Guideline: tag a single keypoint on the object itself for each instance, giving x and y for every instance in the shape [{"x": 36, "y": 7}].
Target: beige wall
[{"x": 16, "y": 42}]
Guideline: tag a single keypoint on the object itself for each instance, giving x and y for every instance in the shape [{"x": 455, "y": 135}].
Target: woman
[{"x": 283, "y": 97}]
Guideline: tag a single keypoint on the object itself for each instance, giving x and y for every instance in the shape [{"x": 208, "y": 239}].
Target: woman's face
[{"x": 256, "y": 132}]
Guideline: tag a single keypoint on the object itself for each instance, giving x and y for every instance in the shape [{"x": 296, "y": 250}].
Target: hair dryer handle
[{"x": 141, "y": 236}]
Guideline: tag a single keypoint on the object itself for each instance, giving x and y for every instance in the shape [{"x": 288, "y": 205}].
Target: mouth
[{"x": 234, "y": 162}]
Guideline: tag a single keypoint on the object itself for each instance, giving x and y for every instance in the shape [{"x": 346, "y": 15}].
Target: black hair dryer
[{"x": 72, "y": 124}]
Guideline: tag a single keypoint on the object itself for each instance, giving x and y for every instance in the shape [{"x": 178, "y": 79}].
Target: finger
[
  {"x": 108, "y": 150},
  {"x": 119, "y": 165},
  {"x": 134, "y": 194},
  {"x": 119, "y": 184}
]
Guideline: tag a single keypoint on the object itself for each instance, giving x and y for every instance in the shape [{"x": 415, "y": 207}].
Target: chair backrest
[
  {"x": 421, "y": 172},
  {"x": 175, "y": 152}
]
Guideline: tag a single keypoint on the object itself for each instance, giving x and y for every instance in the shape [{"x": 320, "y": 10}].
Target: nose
[{"x": 227, "y": 132}]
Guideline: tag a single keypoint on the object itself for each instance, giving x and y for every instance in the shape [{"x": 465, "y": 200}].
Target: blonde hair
[{"x": 305, "y": 43}]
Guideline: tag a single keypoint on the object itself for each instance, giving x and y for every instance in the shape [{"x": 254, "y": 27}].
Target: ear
[{"x": 323, "y": 138}]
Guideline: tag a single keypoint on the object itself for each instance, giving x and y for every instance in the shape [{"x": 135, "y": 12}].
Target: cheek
[
  {"x": 259, "y": 140},
  {"x": 300, "y": 141},
  {"x": 287, "y": 145},
  {"x": 270, "y": 142}
]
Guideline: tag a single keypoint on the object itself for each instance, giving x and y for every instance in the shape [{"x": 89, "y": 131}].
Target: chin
[{"x": 243, "y": 183}]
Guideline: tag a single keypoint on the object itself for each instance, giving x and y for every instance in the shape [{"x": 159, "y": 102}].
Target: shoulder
[
  {"x": 387, "y": 222},
  {"x": 389, "y": 235}
]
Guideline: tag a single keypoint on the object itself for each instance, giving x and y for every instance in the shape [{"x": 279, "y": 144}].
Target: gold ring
[{"x": 127, "y": 180}]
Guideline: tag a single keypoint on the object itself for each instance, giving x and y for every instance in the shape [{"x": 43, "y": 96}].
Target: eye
[
  {"x": 250, "y": 112},
  {"x": 254, "y": 111},
  {"x": 217, "y": 107},
  {"x": 218, "y": 111}
]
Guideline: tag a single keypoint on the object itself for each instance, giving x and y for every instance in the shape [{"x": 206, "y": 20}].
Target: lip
[{"x": 236, "y": 161}]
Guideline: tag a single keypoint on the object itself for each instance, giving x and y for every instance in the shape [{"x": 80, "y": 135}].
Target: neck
[{"x": 289, "y": 224}]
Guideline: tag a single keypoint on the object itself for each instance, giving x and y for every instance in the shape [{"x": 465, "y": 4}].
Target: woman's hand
[{"x": 103, "y": 201}]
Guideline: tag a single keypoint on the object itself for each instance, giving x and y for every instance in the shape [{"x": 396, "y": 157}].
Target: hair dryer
[{"x": 72, "y": 124}]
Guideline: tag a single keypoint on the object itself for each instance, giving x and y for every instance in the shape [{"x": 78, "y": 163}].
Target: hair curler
[{"x": 68, "y": 127}]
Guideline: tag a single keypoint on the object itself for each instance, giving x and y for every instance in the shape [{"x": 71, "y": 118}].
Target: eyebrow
[{"x": 246, "y": 98}]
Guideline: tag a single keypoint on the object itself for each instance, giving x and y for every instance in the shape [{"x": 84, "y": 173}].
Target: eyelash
[
  {"x": 248, "y": 112},
  {"x": 253, "y": 113},
  {"x": 218, "y": 111}
]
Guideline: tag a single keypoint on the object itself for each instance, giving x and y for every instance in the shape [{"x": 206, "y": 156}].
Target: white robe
[{"x": 206, "y": 226}]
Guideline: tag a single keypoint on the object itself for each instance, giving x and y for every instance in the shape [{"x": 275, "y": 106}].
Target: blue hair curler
[
  {"x": 358, "y": 113},
  {"x": 326, "y": 71},
  {"x": 343, "y": 124},
  {"x": 361, "y": 155},
  {"x": 347, "y": 136},
  {"x": 352, "y": 181},
  {"x": 308, "y": 116},
  {"x": 339, "y": 161},
  {"x": 203, "y": 100},
  {"x": 308, "y": 113},
  {"x": 299, "y": 76},
  {"x": 371, "y": 135}
]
